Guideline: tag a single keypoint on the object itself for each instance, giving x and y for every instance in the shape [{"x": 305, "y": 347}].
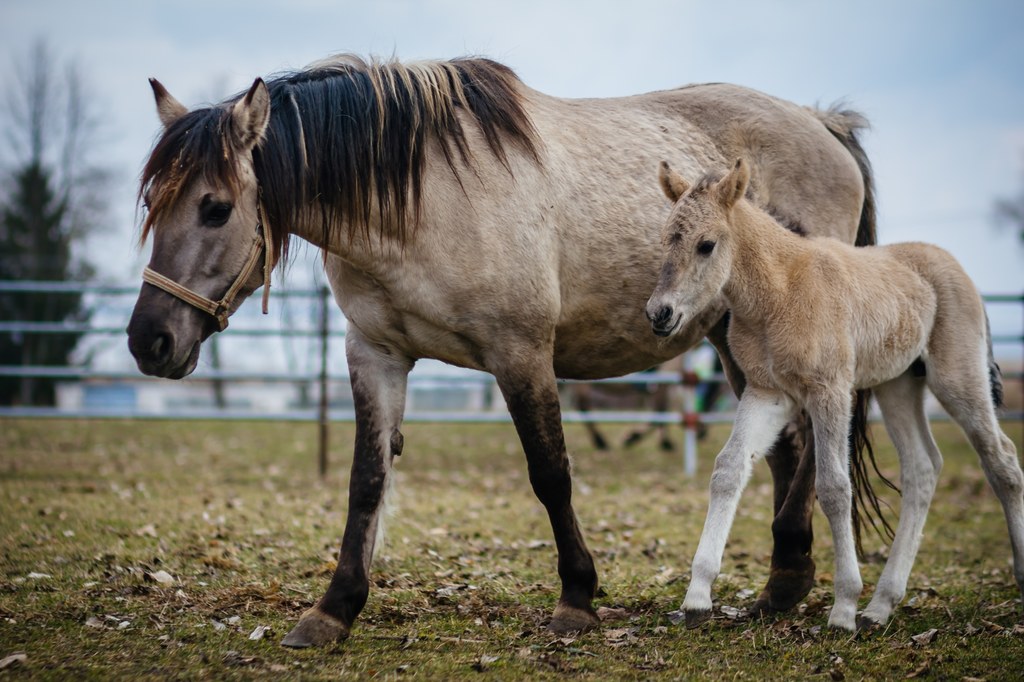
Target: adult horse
[{"x": 466, "y": 217}]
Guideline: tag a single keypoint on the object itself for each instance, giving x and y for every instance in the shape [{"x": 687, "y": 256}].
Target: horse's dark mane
[{"x": 349, "y": 137}]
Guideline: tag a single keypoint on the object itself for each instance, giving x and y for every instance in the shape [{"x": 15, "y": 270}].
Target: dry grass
[{"x": 90, "y": 511}]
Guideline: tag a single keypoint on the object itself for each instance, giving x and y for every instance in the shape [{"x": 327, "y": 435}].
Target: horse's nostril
[
  {"x": 662, "y": 316},
  {"x": 161, "y": 347}
]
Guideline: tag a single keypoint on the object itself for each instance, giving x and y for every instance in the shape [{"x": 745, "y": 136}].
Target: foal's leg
[
  {"x": 830, "y": 412},
  {"x": 378, "y": 387},
  {"x": 962, "y": 386},
  {"x": 759, "y": 418},
  {"x": 902, "y": 403},
  {"x": 532, "y": 398},
  {"x": 791, "y": 462}
]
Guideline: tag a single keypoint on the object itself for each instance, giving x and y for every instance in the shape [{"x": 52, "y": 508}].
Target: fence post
[
  {"x": 324, "y": 336},
  {"x": 690, "y": 418}
]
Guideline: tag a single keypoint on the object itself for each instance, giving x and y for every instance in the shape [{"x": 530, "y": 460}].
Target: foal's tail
[
  {"x": 995, "y": 375},
  {"x": 844, "y": 124}
]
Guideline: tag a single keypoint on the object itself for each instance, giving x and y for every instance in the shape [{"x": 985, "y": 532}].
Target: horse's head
[
  {"x": 698, "y": 248},
  {"x": 203, "y": 213}
]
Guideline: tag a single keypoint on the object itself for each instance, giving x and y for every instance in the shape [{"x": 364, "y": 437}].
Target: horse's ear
[
  {"x": 168, "y": 108},
  {"x": 250, "y": 116},
  {"x": 672, "y": 183},
  {"x": 734, "y": 185}
]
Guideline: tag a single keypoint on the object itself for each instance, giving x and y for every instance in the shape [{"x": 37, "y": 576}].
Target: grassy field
[{"x": 187, "y": 550}]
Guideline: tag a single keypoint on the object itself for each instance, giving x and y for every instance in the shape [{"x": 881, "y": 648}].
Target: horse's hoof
[
  {"x": 694, "y": 619},
  {"x": 315, "y": 628},
  {"x": 762, "y": 606},
  {"x": 785, "y": 589},
  {"x": 570, "y": 619}
]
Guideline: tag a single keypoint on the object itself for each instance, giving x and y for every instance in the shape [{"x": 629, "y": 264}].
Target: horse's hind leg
[
  {"x": 378, "y": 387},
  {"x": 532, "y": 398},
  {"x": 581, "y": 393},
  {"x": 963, "y": 387},
  {"x": 902, "y": 403}
]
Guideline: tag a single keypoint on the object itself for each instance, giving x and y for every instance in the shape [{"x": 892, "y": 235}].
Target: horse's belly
[{"x": 891, "y": 353}]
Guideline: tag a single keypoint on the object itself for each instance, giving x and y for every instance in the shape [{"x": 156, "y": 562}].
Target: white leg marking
[
  {"x": 830, "y": 414},
  {"x": 760, "y": 417},
  {"x": 902, "y": 405}
]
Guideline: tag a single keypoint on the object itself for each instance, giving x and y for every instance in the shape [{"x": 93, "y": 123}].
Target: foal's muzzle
[{"x": 664, "y": 319}]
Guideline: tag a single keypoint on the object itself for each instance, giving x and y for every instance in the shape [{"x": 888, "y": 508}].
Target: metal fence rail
[{"x": 323, "y": 325}]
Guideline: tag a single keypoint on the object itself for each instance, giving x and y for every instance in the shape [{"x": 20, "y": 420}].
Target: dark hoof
[
  {"x": 867, "y": 626},
  {"x": 570, "y": 619},
  {"x": 694, "y": 619},
  {"x": 315, "y": 628},
  {"x": 785, "y": 589}
]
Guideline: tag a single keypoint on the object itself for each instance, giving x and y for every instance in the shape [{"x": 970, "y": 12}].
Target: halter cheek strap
[{"x": 221, "y": 309}]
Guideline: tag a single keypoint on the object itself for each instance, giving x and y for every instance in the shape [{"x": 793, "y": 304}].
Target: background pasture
[{"x": 95, "y": 517}]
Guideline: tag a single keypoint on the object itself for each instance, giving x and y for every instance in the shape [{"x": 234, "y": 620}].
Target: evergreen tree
[{"x": 48, "y": 202}]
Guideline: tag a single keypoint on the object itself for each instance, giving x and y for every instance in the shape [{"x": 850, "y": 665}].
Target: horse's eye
[
  {"x": 214, "y": 213},
  {"x": 705, "y": 247}
]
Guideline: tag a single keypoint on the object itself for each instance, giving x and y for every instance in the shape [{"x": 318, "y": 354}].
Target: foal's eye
[
  {"x": 705, "y": 247},
  {"x": 214, "y": 213}
]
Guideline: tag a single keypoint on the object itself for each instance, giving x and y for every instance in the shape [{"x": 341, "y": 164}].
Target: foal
[{"x": 812, "y": 320}]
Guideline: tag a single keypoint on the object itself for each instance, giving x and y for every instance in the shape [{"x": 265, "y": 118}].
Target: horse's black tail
[
  {"x": 867, "y": 506},
  {"x": 844, "y": 124}
]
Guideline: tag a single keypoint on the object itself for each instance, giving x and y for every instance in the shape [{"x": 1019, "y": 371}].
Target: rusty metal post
[{"x": 324, "y": 402}]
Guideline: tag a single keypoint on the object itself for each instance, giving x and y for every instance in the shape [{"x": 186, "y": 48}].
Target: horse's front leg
[
  {"x": 830, "y": 412},
  {"x": 528, "y": 384},
  {"x": 760, "y": 417},
  {"x": 378, "y": 388}
]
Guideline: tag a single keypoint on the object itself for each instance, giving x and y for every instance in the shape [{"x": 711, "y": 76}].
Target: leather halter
[{"x": 220, "y": 310}]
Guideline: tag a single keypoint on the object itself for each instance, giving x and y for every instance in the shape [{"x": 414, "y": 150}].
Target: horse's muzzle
[
  {"x": 664, "y": 320},
  {"x": 158, "y": 352}
]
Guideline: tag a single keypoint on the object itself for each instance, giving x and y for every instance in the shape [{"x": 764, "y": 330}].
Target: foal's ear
[
  {"x": 734, "y": 185},
  {"x": 672, "y": 183},
  {"x": 167, "y": 108},
  {"x": 250, "y": 116}
]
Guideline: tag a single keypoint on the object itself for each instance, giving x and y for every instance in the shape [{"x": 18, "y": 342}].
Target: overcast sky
[{"x": 942, "y": 82}]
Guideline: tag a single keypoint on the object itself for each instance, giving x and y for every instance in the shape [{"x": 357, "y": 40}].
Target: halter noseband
[{"x": 222, "y": 308}]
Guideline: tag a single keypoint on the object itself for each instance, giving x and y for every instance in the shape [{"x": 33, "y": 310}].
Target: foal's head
[
  {"x": 698, "y": 246},
  {"x": 202, "y": 197}
]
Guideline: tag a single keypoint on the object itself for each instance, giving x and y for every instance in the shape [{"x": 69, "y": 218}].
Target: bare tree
[
  {"x": 1009, "y": 212},
  {"x": 52, "y": 197}
]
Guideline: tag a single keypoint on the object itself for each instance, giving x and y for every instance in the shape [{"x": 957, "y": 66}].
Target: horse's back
[
  {"x": 599, "y": 160},
  {"x": 801, "y": 172}
]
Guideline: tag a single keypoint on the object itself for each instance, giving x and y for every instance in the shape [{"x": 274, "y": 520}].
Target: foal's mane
[{"x": 349, "y": 136}]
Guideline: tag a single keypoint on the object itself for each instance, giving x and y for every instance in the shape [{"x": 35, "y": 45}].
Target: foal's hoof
[
  {"x": 570, "y": 619},
  {"x": 315, "y": 628},
  {"x": 694, "y": 619},
  {"x": 867, "y": 625}
]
